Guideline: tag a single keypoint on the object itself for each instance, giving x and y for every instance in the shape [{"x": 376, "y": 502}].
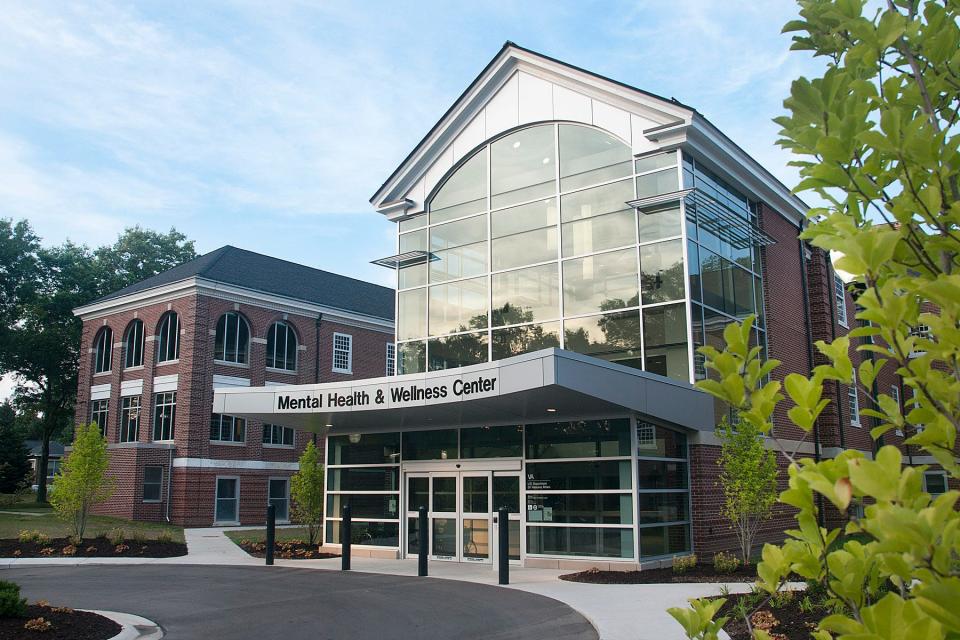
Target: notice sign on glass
[
  {"x": 537, "y": 511},
  {"x": 537, "y": 485}
]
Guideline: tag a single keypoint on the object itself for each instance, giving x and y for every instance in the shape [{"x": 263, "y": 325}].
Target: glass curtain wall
[
  {"x": 663, "y": 491},
  {"x": 533, "y": 245}
]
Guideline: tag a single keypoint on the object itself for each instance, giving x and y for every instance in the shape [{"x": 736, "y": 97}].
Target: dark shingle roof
[
  {"x": 36, "y": 448},
  {"x": 242, "y": 268}
]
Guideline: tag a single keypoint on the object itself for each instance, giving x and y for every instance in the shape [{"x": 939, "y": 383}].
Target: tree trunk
[{"x": 42, "y": 468}]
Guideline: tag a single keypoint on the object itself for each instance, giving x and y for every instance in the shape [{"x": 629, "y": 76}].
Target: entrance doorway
[{"x": 462, "y": 513}]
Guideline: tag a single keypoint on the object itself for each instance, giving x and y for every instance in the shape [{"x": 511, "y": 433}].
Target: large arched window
[
  {"x": 232, "y": 341},
  {"x": 168, "y": 337},
  {"x": 103, "y": 350},
  {"x": 133, "y": 345},
  {"x": 281, "y": 347}
]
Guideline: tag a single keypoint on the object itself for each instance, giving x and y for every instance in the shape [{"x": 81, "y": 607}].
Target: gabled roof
[
  {"x": 680, "y": 123},
  {"x": 255, "y": 271}
]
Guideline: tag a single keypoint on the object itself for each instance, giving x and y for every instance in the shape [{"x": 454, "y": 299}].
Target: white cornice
[{"x": 200, "y": 286}]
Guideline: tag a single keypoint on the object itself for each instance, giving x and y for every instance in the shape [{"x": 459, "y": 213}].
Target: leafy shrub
[
  {"x": 781, "y": 599},
  {"x": 117, "y": 536},
  {"x": 11, "y": 604},
  {"x": 27, "y": 536},
  {"x": 683, "y": 564},
  {"x": 69, "y": 550},
  {"x": 724, "y": 562},
  {"x": 38, "y": 624}
]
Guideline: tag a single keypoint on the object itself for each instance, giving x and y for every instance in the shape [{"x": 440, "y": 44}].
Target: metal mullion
[
  {"x": 671, "y": 523},
  {"x": 662, "y": 459},
  {"x": 591, "y": 254},
  {"x": 592, "y": 459},
  {"x": 577, "y": 492},
  {"x": 647, "y": 243},
  {"x": 663, "y": 491},
  {"x": 559, "y": 224},
  {"x": 589, "y": 314},
  {"x": 579, "y": 525}
]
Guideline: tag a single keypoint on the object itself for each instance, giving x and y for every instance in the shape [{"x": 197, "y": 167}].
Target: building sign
[
  {"x": 386, "y": 395},
  {"x": 537, "y": 485}
]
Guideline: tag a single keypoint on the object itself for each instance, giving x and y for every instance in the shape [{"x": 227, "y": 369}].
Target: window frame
[
  {"x": 100, "y": 406},
  {"x": 936, "y": 472},
  {"x": 236, "y": 425},
  {"x": 170, "y": 423},
  {"x": 235, "y": 320},
  {"x": 853, "y": 405},
  {"x": 286, "y": 497},
  {"x": 103, "y": 351},
  {"x": 126, "y": 408},
  {"x": 168, "y": 328},
  {"x": 269, "y": 428},
  {"x": 349, "y": 351},
  {"x": 159, "y": 483},
  {"x": 840, "y": 296},
  {"x": 134, "y": 345},
  {"x": 217, "y": 498},
  {"x": 391, "y": 359},
  {"x": 271, "y": 356}
]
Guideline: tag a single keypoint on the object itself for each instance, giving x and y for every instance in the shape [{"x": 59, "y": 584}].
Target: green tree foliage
[
  {"x": 748, "y": 478},
  {"x": 40, "y": 287},
  {"x": 82, "y": 481},
  {"x": 877, "y": 140},
  {"x": 14, "y": 460},
  {"x": 306, "y": 490}
]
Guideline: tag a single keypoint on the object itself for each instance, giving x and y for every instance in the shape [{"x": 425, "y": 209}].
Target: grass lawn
[
  {"x": 46, "y": 522},
  {"x": 260, "y": 535}
]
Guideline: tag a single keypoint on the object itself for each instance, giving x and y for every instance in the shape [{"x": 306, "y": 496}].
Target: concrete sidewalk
[{"x": 618, "y": 612}]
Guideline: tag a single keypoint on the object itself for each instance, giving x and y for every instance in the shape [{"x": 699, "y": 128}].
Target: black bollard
[
  {"x": 422, "y": 541},
  {"x": 346, "y": 534},
  {"x": 503, "y": 549},
  {"x": 271, "y": 531}
]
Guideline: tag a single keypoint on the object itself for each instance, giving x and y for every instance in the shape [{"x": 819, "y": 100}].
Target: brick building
[{"x": 155, "y": 351}]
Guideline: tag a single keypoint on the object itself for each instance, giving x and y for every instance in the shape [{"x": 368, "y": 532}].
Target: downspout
[
  {"x": 808, "y": 325},
  {"x": 169, "y": 484},
  {"x": 316, "y": 371},
  {"x": 833, "y": 336}
]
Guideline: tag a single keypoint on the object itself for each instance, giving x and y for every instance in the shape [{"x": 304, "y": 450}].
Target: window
[
  {"x": 841, "y": 296},
  {"x": 342, "y": 353},
  {"x": 277, "y": 435},
  {"x": 227, "y": 500},
  {"x": 935, "y": 482},
  {"x": 103, "y": 351},
  {"x": 152, "y": 483},
  {"x": 232, "y": 341},
  {"x": 133, "y": 345},
  {"x": 225, "y": 428},
  {"x": 391, "y": 359},
  {"x": 281, "y": 347},
  {"x": 99, "y": 413},
  {"x": 164, "y": 415},
  {"x": 130, "y": 419},
  {"x": 854, "y": 405},
  {"x": 168, "y": 338},
  {"x": 278, "y": 495}
]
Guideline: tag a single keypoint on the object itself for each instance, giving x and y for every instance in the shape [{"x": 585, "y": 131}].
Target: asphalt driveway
[{"x": 259, "y": 603}]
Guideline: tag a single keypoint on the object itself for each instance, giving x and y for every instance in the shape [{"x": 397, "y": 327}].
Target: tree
[
  {"x": 748, "y": 478},
  {"x": 306, "y": 489},
  {"x": 40, "y": 344},
  {"x": 82, "y": 481},
  {"x": 877, "y": 140},
  {"x": 14, "y": 455}
]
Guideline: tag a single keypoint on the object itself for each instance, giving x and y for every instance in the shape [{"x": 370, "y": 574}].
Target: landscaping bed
[
  {"x": 100, "y": 547},
  {"x": 789, "y": 616},
  {"x": 64, "y": 624},
  {"x": 286, "y": 549},
  {"x": 698, "y": 573}
]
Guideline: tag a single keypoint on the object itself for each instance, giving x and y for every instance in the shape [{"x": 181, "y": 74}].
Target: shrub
[
  {"x": 306, "y": 490},
  {"x": 69, "y": 550},
  {"x": 38, "y": 624},
  {"x": 26, "y": 536},
  {"x": 11, "y": 604},
  {"x": 82, "y": 481},
  {"x": 117, "y": 536},
  {"x": 8, "y": 499},
  {"x": 724, "y": 562},
  {"x": 165, "y": 537},
  {"x": 138, "y": 536},
  {"x": 781, "y": 599},
  {"x": 683, "y": 564}
]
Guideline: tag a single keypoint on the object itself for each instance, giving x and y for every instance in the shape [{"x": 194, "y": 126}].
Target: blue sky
[{"x": 269, "y": 125}]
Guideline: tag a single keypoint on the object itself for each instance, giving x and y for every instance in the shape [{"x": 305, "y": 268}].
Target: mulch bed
[
  {"x": 700, "y": 573},
  {"x": 785, "y": 623},
  {"x": 286, "y": 549},
  {"x": 90, "y": 548},
  {"x": 66, "y": 624}
]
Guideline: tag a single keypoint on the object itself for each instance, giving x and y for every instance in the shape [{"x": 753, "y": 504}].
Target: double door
[{"x": 462, "y": 509}]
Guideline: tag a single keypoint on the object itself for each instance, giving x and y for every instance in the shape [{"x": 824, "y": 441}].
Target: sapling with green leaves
[
  {"x": 82, "y": 481},
  {"x": 876, "y": 138},
  {"x": 306, "y": 491}
]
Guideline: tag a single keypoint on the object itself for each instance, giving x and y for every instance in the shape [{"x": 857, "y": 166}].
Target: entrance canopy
[{"x": 534, "y": 386}]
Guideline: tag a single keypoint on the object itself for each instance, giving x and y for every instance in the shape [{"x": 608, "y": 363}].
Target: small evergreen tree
[
  {"x": 14, "y": 455},
  {"x": 306, "y": 489},
  {"x": 82, "y": 481},
  {"x": 748, "y": 478}
]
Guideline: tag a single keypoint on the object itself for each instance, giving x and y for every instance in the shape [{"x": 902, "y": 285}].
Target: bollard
[
  {"x": 503, "y": 549},
  {"x": 271, "y": 531},
  {"x": 423, "y": 540},
  {"x": 346, "y": 535}
]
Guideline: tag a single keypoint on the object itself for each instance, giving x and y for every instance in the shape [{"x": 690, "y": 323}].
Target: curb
[{"x": 132, "y": 627}]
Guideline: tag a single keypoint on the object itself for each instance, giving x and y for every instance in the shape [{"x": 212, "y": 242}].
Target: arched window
[
  {"x": 133, "y": 345},
  {"x": 168, "y": 337},
  {"x": 103, "y": 350},
  {"x": 232, "y": 340},
  {"x": 281, "y": 347}
]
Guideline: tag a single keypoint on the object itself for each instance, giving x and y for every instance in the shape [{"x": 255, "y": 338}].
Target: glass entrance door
[{"x": 462, "y": 511}]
